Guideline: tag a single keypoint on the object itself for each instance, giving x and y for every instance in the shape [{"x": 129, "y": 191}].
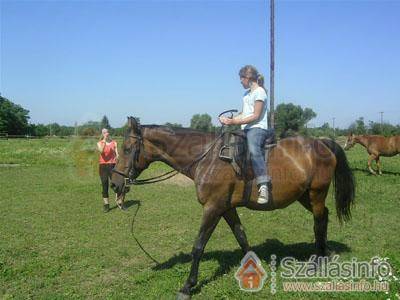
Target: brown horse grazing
[
  {"x": 302, "y": 170},
  {"x": 376, "y": 146}
]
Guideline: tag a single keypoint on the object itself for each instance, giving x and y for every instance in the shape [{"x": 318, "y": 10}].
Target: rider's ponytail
[
  {"x": 260, "y": 80},
  {"x": 251, "y": 73}
]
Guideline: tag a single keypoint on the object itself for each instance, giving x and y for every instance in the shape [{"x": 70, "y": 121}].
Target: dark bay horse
[
  {"x": 302, "y": 169},
  {"x": 376, "y": 146}
]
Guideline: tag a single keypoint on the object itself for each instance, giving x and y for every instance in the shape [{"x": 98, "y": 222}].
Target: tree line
[{"x": 290, "y": 120}]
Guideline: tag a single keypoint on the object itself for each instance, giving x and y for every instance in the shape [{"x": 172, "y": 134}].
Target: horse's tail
[{"x": 343, "y": 183}]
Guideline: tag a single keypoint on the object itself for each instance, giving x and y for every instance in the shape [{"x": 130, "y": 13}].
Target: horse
[
  {"x": 376, "y": 146},
  {"x": 302, "y": 169}
]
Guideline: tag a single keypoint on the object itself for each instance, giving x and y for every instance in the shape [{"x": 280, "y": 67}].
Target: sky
[{"x": 164, "y": 61}]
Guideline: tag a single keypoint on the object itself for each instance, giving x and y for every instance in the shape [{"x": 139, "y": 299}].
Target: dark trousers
[{"x": 105, "y": 172}]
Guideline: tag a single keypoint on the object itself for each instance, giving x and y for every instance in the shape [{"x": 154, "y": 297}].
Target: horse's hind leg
[
  {"x": 233, "y": 220},
  {"x": 314, "y": 201},
  {"x": 211, "y": 217}
]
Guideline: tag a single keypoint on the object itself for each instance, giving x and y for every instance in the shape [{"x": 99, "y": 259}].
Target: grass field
[{"x": 55, "y": 241}]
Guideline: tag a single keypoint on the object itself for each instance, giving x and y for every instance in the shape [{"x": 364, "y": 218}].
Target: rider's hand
[{"x": 226, "y": 121}]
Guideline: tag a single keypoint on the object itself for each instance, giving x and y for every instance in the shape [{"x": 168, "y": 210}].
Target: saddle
[{"x": 234, "y": 150}]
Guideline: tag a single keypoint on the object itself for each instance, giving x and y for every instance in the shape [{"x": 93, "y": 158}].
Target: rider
[
  {"x": 254, "y": 121},
  {"x": 107, "y": 160}
]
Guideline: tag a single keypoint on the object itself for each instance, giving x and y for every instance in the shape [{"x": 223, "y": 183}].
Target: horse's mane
[{"x": 175, "y": 130}]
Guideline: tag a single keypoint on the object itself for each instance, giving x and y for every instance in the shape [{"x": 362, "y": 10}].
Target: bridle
[{"x": 130, "y": 178}]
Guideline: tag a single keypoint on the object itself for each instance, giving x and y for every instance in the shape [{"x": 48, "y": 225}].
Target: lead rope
[
  {"x": 136, "y": 240},
  {"x": 151, "y": 180}
]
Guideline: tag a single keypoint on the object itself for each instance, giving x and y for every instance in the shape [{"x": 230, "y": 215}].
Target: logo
[{"x": 251, "y": 275}]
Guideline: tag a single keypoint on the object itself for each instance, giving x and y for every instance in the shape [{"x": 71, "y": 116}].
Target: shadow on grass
[
  {"x": 127, "y": 204},
  {"x": 130, "y": 203},
  {"x": 229, "y": 259},
  {"x": 366, "y": 171}
]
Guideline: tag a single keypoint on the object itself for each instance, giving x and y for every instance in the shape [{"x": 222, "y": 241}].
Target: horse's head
[
  {"x": 350, "y": 142},
  {"x": 131, "y": 160}
]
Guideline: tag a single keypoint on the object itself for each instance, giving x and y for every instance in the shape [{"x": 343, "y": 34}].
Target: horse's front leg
[
  {"x": 378, "y": 164},
  {"x": 370, "y": 159},
  {"x": 211, "y": 217}
]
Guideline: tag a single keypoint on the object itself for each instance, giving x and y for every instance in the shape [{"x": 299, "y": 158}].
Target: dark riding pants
[{"x": 105, "y": 172}]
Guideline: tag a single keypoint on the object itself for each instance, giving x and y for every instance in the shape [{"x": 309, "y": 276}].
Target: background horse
[
  {"x": 301, "y": 169},
  {"x": 376, "y": 146}
]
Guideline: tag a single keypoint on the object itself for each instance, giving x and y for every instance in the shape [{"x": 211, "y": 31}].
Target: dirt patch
[{"x": 11, "y": 165}]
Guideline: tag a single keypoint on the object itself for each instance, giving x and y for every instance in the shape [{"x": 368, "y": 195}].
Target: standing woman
[
  {"x": 254, "y": 121},
  {"x": 107, "y": 160}
]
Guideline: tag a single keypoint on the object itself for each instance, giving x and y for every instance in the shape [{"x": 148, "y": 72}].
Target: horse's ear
[{"x": 133, "y": 123}]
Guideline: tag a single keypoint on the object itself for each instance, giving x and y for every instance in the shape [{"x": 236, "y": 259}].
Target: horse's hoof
[{"x": 182, "y": 296}]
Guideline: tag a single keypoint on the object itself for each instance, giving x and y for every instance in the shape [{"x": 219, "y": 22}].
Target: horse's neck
[
  {"x": 362, "y": 140},
  {"x": 177, "y": 150}
]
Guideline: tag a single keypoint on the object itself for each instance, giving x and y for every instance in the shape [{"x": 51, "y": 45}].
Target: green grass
[{"x": 55, "y": 241}]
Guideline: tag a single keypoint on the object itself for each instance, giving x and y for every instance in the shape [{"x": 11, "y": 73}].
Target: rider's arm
[{"x": 258, "y": 108}]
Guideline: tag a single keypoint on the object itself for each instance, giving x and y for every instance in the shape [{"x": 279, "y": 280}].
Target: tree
[
  {"x": 40, "y": 130},
  {"x": 173, "y": 125},
  {"x": 385, "y": 129},
  {"x": 201, "y": 122},
  {"x": 358, "y": 127},
  {"x": 89, "y": 131},
  {"x": 90, "y": 128},
  {"x": 291, "y": 119},
  {"x": 66, "y": 130},
  {"x": 13, "y": 117},
  {"x": 54, "y": 129},
  {"x": 105, "y": 123}
]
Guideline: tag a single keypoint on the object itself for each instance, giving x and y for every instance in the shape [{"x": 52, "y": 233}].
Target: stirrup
[{"x": 224, "y": 157}]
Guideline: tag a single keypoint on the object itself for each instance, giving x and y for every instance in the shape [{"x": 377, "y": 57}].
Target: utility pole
[
  {"x": 76, "y": 129},
  {"x": 272, "y": 64},
  {"x": 333, "y": 124},
  {"x": 381, "y": 112}
]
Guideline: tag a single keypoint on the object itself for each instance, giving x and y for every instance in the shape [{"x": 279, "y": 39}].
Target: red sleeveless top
[{"x": 109, "y": 155}]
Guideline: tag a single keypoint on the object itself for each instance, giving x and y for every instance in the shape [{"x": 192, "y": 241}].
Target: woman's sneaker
[
  {"x": 263, "y": 194},
  {"x": 106, "y": 208}
]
